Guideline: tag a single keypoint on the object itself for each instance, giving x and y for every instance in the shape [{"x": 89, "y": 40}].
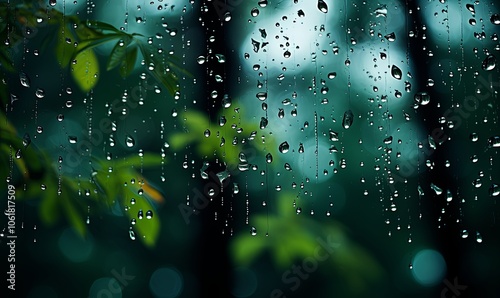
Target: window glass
[{"x": 232, "y": 148}]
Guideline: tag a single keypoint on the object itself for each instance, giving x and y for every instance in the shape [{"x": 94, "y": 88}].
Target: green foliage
[
  {"x": 226, "y": 142},
  {"x": 60, "y": 195},
  {"x": 75, "y": 43},
  {"x": 293, "y": 238}
]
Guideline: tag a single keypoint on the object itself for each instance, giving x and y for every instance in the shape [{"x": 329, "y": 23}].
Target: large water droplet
[
  {"x": 391, "y": 36},
  {"x": 422, "y": 98},
  {"x": 489, "y": 63},
  {"x": 261, "y": 96},
  {"x": 494, "y": 142},
  {"x": 322, "y": 6},
  {"x": 396, "y": 72},
  {"x": 263, "y": 123},
  {"x": 284, "y": 147},
  {"x": 495, "y": 19},
  {"x": 348, "y": 119},
  {"x": 256, "y": 45},
  {"x": 381, "y": 11},
  {"x": 129, "y": 141}
]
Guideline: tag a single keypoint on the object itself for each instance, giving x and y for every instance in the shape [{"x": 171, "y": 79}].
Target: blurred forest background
[{"x": 251, "y": 148}]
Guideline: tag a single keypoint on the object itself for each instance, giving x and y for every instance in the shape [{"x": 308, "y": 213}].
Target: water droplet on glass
[
  {"x": 436, "y": 189},
  {"x": 495, "y": 19},
  {"x": 449, "y": 196},
  {"x": 129, "y": 141},
  {"x": 256, "y": 45},
  {"x": 40, "y": 93},
  {"x": 494, "y": 142},
  {"x": 269, "y": 158},
  {"x": 396, "y": 72},
  {"x": 263, "y": 123},
  {"x": 489, "y": 63},
  {"x": 479, "y": 238},
  {"x": 284, "y": 147},
  {"x": 131, "y": 234},
  {"x": 226, "y": 101},
  {"x": 381, "y": 11},
  {"x": 26, "y": 140},
  {"x": 348, "y": 119},
  {"x": 253, "y": 231},
  {"x": 24, "y": 79},
  {"x": 494, "y": 190},
  {"x": 72, "y": 139},
  {"x": 464, "y": 234},
  {"x": 391, "y": 36},
  {"x": 261, "y": 96},
  {"x": 322, "y": 6},
  {"x": 254, "y": 12},
  {"x": 422, "y": 98},
  {"x": 149, "y": 214}
]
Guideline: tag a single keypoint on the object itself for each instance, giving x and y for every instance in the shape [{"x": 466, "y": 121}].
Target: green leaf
[
  {"x": 147, "y": 160},
  {"x": 162, "y": 74},
  {"x": 128, "y": 64},
  {"x": 5, "y": 61},
  {"x": 94, "y": 42},
  {"x": 147, "y": 229},
  {"x": 73, "y": 214},
  {"x": 65, "y": 48},
  {"x": 86, "y": 69},
  {"x": 117, "y": 54},
  {"x": 102, "y": 26},
  {"x": 49, "y": 211}
]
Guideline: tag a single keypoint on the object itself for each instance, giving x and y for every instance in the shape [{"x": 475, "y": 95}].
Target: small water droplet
[{"x": 26, "y": 140}]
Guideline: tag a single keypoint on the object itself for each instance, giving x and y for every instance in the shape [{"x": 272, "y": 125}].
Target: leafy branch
[{"x": 59, "y": 195}]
